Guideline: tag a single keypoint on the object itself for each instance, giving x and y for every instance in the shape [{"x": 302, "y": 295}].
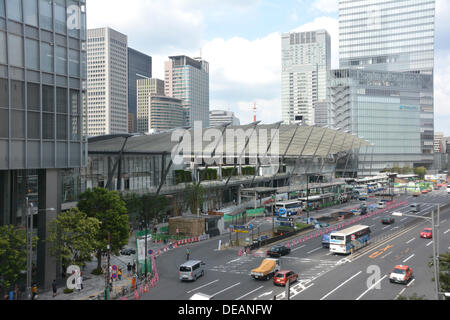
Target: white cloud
[{"x": 327, "y": 6}]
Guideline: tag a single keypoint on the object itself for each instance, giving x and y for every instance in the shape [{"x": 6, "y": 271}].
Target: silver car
[{"x": 191, "y": 270}]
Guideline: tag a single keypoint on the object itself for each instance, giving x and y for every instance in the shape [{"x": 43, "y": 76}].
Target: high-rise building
[
  {"x": 139, "y": 67},
  {"x": 220, "y": 117},
  {"x": 387, "y": 35},
  {"x": 187, "y": 79},
  {"x": 390, "y": 37},
  {"x": 385, "y": 109},
  {"x": 306, "y": 61},
  {"x": 42, "y": 91},
  {"x": 107, "y": 105},
  {"x": 439, "y": 142}
]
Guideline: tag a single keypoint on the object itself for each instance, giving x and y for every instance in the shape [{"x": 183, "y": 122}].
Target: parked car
[
  {"x": 388, "y": 220},
  {"x": 282, "y": 277},
  {"x": 278, "y": 251},
  {"x": 401, "y": 274},
  {"x": 127, "y": 252},
  {"x": 427, "y": 233}
]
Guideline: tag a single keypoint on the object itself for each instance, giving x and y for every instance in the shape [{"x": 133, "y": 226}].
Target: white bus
[
  {"x": 342, "y": 242},
  {"x": 288, "y": 208}
]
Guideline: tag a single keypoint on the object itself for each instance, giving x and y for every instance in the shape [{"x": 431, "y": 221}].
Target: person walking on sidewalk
[
  {"x": 54, "y": 288},
  {"x": 188, "y": 252},
  {"x": 119, "y": 274},
  {"x": 34, "y": 292},
  {"x": 129, "y": 268}
]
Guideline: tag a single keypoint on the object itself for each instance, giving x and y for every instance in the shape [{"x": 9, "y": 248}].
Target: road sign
[
  {"x": 114, "y": 276},
  {"x": 150, "y": 252},
  {"x": 250, "y": 226},
  {"x": 114, "y": 268}
]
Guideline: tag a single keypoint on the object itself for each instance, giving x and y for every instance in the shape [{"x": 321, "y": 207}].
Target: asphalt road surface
[{"x": 322, "y": 275}]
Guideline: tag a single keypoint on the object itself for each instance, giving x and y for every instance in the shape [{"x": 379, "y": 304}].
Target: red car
[
  {"x": 427, "y": 233},
  {"x": 281, "y": 277}
]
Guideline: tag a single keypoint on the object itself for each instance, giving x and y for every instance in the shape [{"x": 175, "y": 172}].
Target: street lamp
[
  {"x": 435, "y": 240},
  {"x": 29, "y": 226}
]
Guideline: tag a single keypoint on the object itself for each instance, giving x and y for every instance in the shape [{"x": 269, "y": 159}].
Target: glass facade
[
  {"x": 37, "y": 71},
  {"x": 383, "y": 108},
  {"x": 139, "y": 67},
  {"x": 387, "y": 35}
]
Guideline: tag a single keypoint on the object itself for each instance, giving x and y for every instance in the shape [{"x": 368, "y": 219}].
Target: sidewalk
[{"x": 94, "y": 285}]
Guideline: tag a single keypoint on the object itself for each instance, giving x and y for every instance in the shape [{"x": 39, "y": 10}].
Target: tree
[
  {"x": 73, "y": 237},
  {"x": 13, "y": 254},
  {"x": 414, "y": 296},
  {"x": 421, "y": 172},
  {"x": 194, "y": 197},
  {"x": 444, "y": 272},
  {"x": 110, "y": 210}
]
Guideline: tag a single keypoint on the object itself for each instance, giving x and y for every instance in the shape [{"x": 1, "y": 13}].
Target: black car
[
  {"x": 127, "y": 252},
  {"x": 278, "y": 251},
  {"x": 387, "y": 220}
]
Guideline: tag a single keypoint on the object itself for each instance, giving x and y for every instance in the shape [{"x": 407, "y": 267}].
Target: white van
[{"x": 191, "y": 270}]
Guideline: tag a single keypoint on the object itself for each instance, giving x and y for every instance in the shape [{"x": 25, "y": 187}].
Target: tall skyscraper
[
  {"x": 42, "y": 90},
  {"x": 388, "y": 37},
  {"x": 139, "y": 67},
  {"x": 306, "y": 61},
  {"x": 107, "y": 105},
  {"x": 187, "y": 79}
]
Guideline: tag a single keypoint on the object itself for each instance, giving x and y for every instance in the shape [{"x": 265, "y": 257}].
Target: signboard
[
  {"x": 353, "y": 237},
  {"x": 241, "y": 229}
]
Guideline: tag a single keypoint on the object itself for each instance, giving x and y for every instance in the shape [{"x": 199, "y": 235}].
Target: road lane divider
[
  {"x": 342, "y": 284},
  {"x": 373, "y": 286},
  {"x": 203, "y": 286},
  {"x": 250, "y": 292},
  {"x": 410, "y": 257},
  {"x": 226, "y": 289}
]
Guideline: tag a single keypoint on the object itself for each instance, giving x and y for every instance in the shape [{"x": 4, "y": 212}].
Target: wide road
[{"x": 321, "y": 275}]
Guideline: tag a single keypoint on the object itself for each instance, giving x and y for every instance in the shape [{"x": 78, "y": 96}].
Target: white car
[
  {"x": 201, "y": 296},
  {"x": 381, "y": 205}
]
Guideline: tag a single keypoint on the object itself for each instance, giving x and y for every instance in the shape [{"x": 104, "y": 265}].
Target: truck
[{"x": 266, "y": 270}]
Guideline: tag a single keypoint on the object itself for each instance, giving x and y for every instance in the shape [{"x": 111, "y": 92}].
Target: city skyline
[{"x": 245, "y": 57}]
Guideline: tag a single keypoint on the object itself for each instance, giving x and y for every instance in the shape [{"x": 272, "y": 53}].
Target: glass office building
[
  {"x": 385, "y": 109},
  {"x": 42, "y": 96},
  {"x": 387, "y": 35},
  {"x": 139, "y": 67}
]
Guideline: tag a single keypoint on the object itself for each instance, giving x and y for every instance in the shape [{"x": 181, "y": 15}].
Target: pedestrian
[
  {"x": 54, "y": 288},
  {"x": 16, "y": 292},
  {"x": 129, "y": 268},
  {"x": 119, "y": 274},
  {"x": 34, "y": 292},
  {"x": 188, "y": 252},
  {"x": 79, "y": 279},
  {"x": 134, "y": 267}
]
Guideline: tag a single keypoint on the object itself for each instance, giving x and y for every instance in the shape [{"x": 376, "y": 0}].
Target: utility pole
[
  {"x": 29, "y": 226},
  {"x": 108, "y": 275}
]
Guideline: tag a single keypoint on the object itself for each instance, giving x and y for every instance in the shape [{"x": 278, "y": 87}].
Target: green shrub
[
  {"x": 97, "y": 272},
  {"x": 67, "y": 291}
]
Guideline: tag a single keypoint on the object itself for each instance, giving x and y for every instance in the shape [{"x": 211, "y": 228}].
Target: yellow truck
[{"x": 267, "y": 269}]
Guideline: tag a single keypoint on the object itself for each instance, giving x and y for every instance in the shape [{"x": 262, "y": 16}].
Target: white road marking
[
  {"x": 203, "y": 286},
  {"x": 400, "y": 293},
  {"x": 385, "y": 227},
  {"x": 314, "y": 250},
  {"x": 410, "y": 241},
  {"x": 249, "y": 293},
  {"x": 325, "y": 296},
  {"x": 447, "y": 231},
  {"x": 373, "y": 286},
  {"x": 411, "y": 282},
  {"x": 404, "y": 219},
  {"x": 429, "y": 243},
  {"x": 408, "y": 258},
  {"x": 298, "y": 248},
  {"x": 265, "y": 294},
  {"x": 234, "y": 285}
]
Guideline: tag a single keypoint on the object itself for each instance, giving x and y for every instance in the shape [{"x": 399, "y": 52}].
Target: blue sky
[{"x": 241, "y": 41}]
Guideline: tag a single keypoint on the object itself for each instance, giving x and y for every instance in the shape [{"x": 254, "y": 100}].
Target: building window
[
  {"x": 61, "y": 100},
  {"x": 74, "y": 63},
  {"x": 4, "y": 94},
  {"x": 4, "y": 122},
  {"x": 61, "y": 127},
  {"x": 34, "y": 125},
  {"x": 48, "y": 99},
  {"x": 15, "y": 50},
  {"x": 60, "y": 18},
  {"x": 33, "y": 96},
  {"x": 61, "y": 60},
  {"x": 46, "y": 57},
  {"x": 17, "y": 95},
  {"x": 45, "y": 8},
  {"x": 14, "y": 9},
  {"x": 32, "y": 54},
  {"x": 2, "y": 8},
  {"x": 48, "y": 126},
  {"x": 18, "y": 119},
  {"x": 3, "y": 56},
  {"x": 31, "y": 12}
]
